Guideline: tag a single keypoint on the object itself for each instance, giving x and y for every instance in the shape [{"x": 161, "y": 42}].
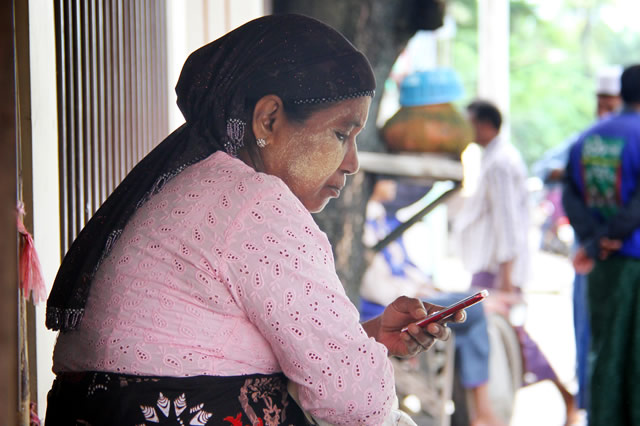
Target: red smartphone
[{"x": 452, "y": 309}]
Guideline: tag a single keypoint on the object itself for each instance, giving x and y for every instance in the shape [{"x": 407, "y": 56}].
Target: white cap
[{"x": 608, "y": 81}]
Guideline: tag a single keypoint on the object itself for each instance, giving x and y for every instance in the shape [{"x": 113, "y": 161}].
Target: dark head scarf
[{"x": 300, "y": 59}]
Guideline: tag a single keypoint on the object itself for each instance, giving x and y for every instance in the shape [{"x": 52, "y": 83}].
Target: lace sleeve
[{"x": 281, "y": 273}]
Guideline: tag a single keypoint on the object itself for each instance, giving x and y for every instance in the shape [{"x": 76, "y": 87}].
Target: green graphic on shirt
[{"x": 601, "y": 158}]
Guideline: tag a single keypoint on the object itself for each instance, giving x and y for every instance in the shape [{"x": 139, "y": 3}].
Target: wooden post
[{"x": 8, "y": 195}]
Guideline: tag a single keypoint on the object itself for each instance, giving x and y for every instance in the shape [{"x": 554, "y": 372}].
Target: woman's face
[{"x": 314, "y": 157}]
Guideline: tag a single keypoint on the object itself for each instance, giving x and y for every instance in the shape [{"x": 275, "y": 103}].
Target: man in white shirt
[
  {"x": 492, "y": 233},
  {"x": 492, "y": 228}
]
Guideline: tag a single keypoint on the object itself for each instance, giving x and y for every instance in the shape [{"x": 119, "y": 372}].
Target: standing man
[
  {"x": 551, "y": 169},
  {"x": 608, "y": 91},
  {"x": 492, "y": 232},
  {"x": 602, "y": 200},
  {"x": 494, "y": 223}
]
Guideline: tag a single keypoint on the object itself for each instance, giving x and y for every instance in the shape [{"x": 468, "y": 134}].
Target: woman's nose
[{"x": 350, "y": 163}]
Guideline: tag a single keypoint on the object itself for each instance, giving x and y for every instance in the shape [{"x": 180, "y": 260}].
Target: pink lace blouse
[{"x": 224, "y": 272}]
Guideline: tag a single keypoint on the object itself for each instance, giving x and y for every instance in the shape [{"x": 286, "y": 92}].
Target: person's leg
[
  {"x": 536, "y": 364},
  {"x": 472, "y": 358},
  {"x": 581, "y": 328},
  {"x": 613, "y": 308},
  {"x": 484, "y": 414},
  {"x": 471, "y": 340},
  {"x": 537, "y": 368},
  {"x": 572, "y": 414},
  {"x": 633, "y": 391}
]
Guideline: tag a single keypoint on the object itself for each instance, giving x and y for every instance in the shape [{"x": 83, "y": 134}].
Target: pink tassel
[
  {"x": 31, "y": 280},
  {"x": 34, "y": 420}
]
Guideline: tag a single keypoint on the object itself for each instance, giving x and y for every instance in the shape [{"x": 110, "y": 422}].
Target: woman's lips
[{"x": 336, "y": 190}]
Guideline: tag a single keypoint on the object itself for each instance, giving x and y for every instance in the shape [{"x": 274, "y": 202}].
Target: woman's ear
[{"x": 268, "y": 110}]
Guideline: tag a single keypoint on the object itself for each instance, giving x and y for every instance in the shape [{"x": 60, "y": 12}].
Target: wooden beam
[
  {"x": 8, "y": 195},
  {"x": 418, "y": 165},
  {"x": 28, "y": 382}
]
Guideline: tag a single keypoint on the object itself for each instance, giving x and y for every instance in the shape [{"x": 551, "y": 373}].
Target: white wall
[
  {"x": 194, "y": 23},
  {"x": 46, "y": 195}
]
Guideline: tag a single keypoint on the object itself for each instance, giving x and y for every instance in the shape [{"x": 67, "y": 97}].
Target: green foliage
[{"x": 555, "y": 50}]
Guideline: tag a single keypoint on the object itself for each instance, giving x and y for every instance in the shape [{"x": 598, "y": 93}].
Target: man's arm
[
  {"x": 582, "y": 221},
  {"x": 627, "y": 219},
  {"x": 506, "y": 283},
  {"x": 587, "y": 228}
]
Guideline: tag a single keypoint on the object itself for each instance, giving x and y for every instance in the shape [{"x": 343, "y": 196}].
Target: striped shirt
[{"x": 492, "y": 228}]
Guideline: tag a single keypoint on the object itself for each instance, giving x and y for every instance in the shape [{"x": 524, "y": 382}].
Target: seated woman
[
  {"x": 392, "y": 274},
  {"x": 203, "y": 285}
]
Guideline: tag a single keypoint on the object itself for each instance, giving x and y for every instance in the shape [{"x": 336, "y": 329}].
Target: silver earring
[{"x": 261, "y": 142}]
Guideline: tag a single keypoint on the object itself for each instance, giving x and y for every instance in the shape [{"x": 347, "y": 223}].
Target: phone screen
[{"x": 452, "y": 309}]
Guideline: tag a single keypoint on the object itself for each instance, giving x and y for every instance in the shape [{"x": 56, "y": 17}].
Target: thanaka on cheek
[{"x": 316, "y": 160}]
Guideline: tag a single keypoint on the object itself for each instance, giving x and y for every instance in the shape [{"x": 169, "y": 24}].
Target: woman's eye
[{"x": 341, "y": 136}]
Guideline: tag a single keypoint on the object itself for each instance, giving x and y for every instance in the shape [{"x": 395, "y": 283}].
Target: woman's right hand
[{"x": 405, "y": 312}]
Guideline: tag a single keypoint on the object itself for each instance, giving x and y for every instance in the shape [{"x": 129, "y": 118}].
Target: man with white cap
[
  {"x": 608, "y": 90},
  {"x": 550, "y": 168}
]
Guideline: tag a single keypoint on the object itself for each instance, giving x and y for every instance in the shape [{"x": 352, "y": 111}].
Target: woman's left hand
[{"x": 405, "y": 312}]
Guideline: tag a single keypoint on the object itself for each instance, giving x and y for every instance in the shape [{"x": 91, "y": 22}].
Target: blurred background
[{"x": 89, "y": 84}]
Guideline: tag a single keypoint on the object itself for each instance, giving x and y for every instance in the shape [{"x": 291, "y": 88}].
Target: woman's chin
[{"x": 318, "y": 206}]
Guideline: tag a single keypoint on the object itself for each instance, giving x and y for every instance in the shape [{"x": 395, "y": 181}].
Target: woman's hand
[{"x": 403, "y": 312}]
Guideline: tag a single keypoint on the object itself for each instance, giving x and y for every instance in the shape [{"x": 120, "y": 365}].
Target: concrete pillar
[{"x": 493, "y": 54}]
